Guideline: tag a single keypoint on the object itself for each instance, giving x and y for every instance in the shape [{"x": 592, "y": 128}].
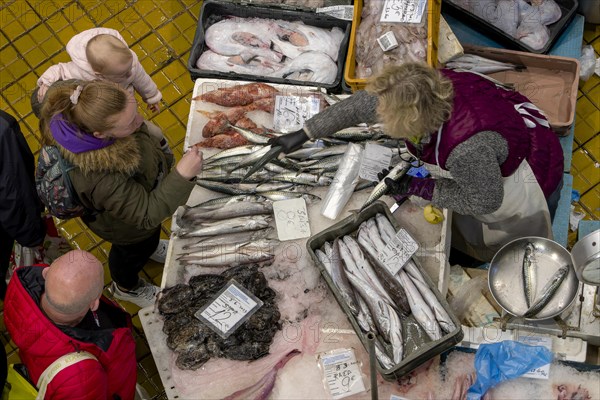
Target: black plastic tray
[
  {"x": 428, "y": 350},
  {"x": 213, "y": 11},
  {"x": 568, "y": 8}
]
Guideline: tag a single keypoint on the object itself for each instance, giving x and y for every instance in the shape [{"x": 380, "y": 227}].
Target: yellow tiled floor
[{"x": 33, "y": 35}]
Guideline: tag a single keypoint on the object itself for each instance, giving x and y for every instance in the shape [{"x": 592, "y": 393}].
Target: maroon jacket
[
  {"x": 481, "y": 106},
  {"x": 41, "y": 342}
]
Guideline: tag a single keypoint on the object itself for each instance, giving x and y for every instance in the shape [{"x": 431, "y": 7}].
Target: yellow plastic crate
[{"x": 434, "y": 8}]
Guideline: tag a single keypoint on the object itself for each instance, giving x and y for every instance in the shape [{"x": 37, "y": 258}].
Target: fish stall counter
[{"x": 311, "y": 329}]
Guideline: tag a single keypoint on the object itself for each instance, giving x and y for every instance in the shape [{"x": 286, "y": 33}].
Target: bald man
[{"x": 54, "y": 310}]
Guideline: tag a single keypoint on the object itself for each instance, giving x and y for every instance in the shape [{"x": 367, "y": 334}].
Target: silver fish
[
  {"x": 385, "y": 360},
  {"x": 364, "y": 319},
  {"x": 412, "y": 270},
  {"x": 235, "y": 189},
  {"x": 371, "y": 227},
  {"x": 230, "y": 210},
  {"x": 228, "y": 175},
  {"x": 548, "y": 291},
  {"x": 220, "y": 201},
  {"x": 282, "y": 195},
  {"x": 420, "y": 309},
  {"x": 271, "y": 186},
  {"x": 257, "y": 246},
  {"x": 232, "y": 238},
  {"x": 529, "y": 277},
  {"x": 365, "y": 268},
  {"x": 236, "y": 151},
  {"x": 252, "y": 137},
  {"x": 328, "y": 164},
  {"x": 230, "y": 259},
  {"x": 385, "y": 227},
  {"x": 442, "y": 317},
  {"x": 253, "y": 157},
  {"x": 227, "y": 226},
  {"x": 302, "y": 178},
  {"x": 225, "y": 163},
  {"x": 303, "y": 153},
  {"x": 396, "y": 336},
  {"x": 372, "y": 296},
  {"x": 330, "y": 151},
  {"x": 381, "y": 188},
  {"x": 338, "y": 276},
  {"x": 276, "y": 168}
]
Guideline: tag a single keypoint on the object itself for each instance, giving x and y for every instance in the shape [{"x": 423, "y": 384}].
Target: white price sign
[
  {"x": 291, "y": 219},
  {"x": 231, "y": 307},
  {"x": 339, "y": 12},
  {"x": 408, "y": 11},
  {"x": 398, "y": 251},
  {"x": 342, "y": 374},
  {"x": 291, "y": 112},
  {"x": 544, "y": 371},
  {"x": 375, "y": 158}
]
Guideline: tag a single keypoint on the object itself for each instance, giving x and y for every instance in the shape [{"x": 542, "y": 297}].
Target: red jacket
[{"x": 41, "y": 342}]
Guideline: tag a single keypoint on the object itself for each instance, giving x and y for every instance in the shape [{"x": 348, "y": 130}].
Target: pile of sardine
[
  {"x": 377, "y": 299},
  {"x": 370, "y": 57},
  {"x": 526, "y": 21},
  {"x": 537, "y": 302},
  {"x": 272, "y": 48},
  {"x": 226, "y": 233},
  {"x": 194, "y": 342}
]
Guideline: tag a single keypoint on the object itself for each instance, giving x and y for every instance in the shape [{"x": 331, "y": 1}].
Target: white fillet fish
[
  {"x": 257, "y": 65},
  {"x": 307, "y": 38},
  {"x": 311, "y": 66}
]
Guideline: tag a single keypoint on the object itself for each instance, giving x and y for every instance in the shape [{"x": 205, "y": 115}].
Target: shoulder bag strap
[{"x": 53, "y": 369}]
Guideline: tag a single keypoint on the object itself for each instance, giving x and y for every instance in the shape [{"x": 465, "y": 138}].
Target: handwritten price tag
[
  {"x": 342, "y": 374},
  {"x": 544, "y": 371},
  {"x": 291, "y": 219},
  {"x": 398, "y": 251},
  {"x": 291, "y": 112},
  {"x": 231, "y": 307},
  {"x": 375, "y": 158},
  {"x": 408, "y": 11}
]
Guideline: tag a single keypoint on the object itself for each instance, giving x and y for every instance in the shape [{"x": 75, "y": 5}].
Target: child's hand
[
  {"x": 42, "y": 92},
  {"x": 154, "y": 107},
  {"x": 190, "y": 164}
]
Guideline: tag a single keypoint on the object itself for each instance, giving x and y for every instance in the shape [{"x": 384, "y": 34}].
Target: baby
[{"x": 102, "y": 53}]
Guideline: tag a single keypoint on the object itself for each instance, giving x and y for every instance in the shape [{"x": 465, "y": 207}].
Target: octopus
[{"x": 194, "y": 342}]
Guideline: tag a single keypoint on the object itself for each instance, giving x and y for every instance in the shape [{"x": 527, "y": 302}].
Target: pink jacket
[{"x": 80, "y": 68}]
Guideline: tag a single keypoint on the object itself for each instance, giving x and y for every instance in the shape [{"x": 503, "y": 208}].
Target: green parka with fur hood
[{"x": 129, "y": 186}]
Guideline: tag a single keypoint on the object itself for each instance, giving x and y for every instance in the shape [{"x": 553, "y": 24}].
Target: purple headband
[{"x": 74, "y": 139}]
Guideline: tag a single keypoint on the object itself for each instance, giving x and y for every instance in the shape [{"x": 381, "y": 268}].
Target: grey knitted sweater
[{"x": 477, "y": 184}]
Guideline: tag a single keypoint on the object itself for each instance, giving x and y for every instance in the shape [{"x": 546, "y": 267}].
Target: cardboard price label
[
  {"x": 342, "y": 374},
  {"x": 398, "y": 251},
  {"x": 407, "y": 11},
  {"x": 291, "y": 112},
  {"x": 340, "y": 12},
  {"x": 291, "y": 219},
  {"x": 375, "y": 158},
  {"x": 230, "y": 308}
]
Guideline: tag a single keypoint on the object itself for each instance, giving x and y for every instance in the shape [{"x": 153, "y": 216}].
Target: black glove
[
  {"x": 396, "y": 188},
  {"x": 290, "y": 142}
]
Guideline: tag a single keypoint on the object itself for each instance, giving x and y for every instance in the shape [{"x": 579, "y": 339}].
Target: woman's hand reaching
[{"x": 190, "y": 164}]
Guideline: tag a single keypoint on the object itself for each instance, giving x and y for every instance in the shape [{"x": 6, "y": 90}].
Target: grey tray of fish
[
  {"x": 216, "y": 10},
  {"x": 428, "y": 349}
]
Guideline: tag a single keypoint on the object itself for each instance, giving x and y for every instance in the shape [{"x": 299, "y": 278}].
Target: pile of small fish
[
  {"x": 378, "y": 300},
  {"x": 272, "y": 48},
  {"x": 194, "y": 342},
  {"x": 227, "y": 233},
  {"x": 301, "y": 3},
  {"x": 526, "y": 21},
  {"x": 370, "y": 57},
  {"x": 535, "y": 303}
]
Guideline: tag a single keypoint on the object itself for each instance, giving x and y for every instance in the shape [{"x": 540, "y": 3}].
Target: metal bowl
[{"x": 506, "y": 277}]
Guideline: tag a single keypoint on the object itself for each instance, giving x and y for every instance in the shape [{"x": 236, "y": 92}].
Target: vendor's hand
[
  {"x": 290, "y": 142},
  {"x": 190, "y": 164},
  {"x": 42, "y": 92},
  {"x": 398, "y": 187},
  {"x": 154, "y": 107}
]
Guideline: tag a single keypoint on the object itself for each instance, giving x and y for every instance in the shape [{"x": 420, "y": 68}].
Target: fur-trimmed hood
[{"x": 123, "y": 156}]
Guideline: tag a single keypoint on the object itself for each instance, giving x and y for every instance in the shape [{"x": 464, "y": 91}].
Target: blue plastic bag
[{"x": 502, "y": 361}]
